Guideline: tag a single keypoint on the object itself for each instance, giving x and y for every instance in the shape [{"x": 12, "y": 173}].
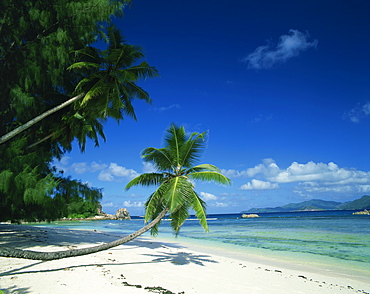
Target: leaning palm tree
[
  {"x": 106, "y": 84},
  {"x": 175, "y": 195}
]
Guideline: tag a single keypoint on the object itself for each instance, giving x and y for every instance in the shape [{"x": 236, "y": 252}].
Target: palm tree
[
  {"x": 106, "y": 85},
  {"x": 175, "y": 193},
  {"x": 175, "y": 177}
]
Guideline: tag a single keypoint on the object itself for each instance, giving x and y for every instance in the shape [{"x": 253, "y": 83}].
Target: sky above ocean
[{"x": 282, "y": 87}]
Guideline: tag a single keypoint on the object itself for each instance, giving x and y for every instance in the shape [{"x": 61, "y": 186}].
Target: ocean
[{"x": 329, "y": 240}]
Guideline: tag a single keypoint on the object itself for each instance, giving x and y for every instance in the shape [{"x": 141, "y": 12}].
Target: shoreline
[{"x": 157, "y": 264}]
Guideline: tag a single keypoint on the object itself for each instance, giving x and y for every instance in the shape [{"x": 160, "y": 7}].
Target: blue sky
[{"x": 282, "y": 87}]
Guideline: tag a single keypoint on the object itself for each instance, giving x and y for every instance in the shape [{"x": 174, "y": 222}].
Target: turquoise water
[{"x": 329, "y": 237}]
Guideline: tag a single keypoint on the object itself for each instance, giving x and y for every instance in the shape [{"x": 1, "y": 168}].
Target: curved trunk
[
  {"x": 30, "y": 123},
  {"x": 36, "y": 255}
]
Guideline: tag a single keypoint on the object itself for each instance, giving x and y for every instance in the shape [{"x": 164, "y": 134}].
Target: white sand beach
[{"x": 149, "y": 265}]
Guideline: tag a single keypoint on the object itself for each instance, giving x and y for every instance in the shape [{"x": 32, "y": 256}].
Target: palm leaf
[
  {"x": 199, "y": 206},
  {"x": 204, "y": 167},
  {"x": 210, "y": 176},
  {"x": 192, "y": 148},
  {"x": 82, "y": 65},
  {"x": 177, "y": 192},
  {"x": 159, "y": 157},
  {"x": 154, "y": 204},
  {"x": 145, "y": 180},
  {"x": 143, "y": 70},
  {"x": 175, "y": 138},
  {"x": 179, "y": 216}
]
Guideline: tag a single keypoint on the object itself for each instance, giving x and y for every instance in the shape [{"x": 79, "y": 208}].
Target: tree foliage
[
  {"x": 175, "y": 178},
  {"x": 44, "y": 57}
]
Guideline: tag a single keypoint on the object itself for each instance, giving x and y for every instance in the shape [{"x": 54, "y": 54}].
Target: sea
[{"x": 331, "y": 241}]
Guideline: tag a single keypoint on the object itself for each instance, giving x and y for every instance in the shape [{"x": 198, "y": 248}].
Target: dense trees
[
  {"x": 46, "y": 60},
  {"x": 175, "y": 177}
]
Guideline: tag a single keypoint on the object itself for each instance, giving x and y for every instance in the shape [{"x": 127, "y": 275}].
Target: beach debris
[
  {"x": 303, "y": 277},
  {"x": 130, "y": 285},
  {"x": 161, "y": 290}
]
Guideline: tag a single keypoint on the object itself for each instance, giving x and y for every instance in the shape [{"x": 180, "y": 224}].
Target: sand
[{"x": 150, "y": 265}]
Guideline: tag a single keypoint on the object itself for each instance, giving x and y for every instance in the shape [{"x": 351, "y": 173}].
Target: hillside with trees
[{"x": 317, "y": 204}]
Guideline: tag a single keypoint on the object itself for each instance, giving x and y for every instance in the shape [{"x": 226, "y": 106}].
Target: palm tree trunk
[
  {"x": 40, "y": 141},
  {"x": 30, "y": 123},
  {"x": 37, "y": 255}
]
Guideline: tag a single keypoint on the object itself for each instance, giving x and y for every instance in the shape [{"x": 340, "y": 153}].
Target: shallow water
[{"x": 331, "y": 239}]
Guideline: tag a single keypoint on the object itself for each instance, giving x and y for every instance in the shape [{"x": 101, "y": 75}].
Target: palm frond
[
  {"x": 115, "y": 38},
  {"x": 192, "y": 149},
  {"x": 145, "y": 180},
  {"x": 177, "y": 192},
  {"x": 204, "y": 167},
  {"x": 143, "y": 70},
  {"x": 96, "y": 90},
  {"x": 154, "y": 204},
  {"x": 210, "y": 176},
  {"x": 134, "y": 90},
  {"x": 199, "y": 206},
  {"x": 159, "y": 157},
  {"x": 83, "y": 65},
  {"x": 179, "y": 216},
  {"x": 174, "y": 139}
]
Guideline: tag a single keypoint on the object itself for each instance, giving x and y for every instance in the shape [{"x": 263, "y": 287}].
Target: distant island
[{"x": 317, "y": 205}]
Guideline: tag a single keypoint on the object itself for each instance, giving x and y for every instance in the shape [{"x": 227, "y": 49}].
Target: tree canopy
[
  {"x": 176, "y": 173},
  {"x": 47, "y": 57}
]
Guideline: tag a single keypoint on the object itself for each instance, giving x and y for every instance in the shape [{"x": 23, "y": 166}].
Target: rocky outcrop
[
  {"x": 250, "y": 215},
  {"x": 122, "y": 213},
  {"x": 364, "y": 212}
]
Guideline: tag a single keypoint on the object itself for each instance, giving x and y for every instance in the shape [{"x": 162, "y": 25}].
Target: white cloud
[
  {"x": 207, "y": 196},
  {"x": 109, "y": 204},
  {"x": 358, "y": 113},
  {"x": 289, "y": 46},
  {"x": 79, "y": 167},
  {"x": 221, "y": 204},
  {"x": 83, "y": 167},
  {"x": 94, "y": 166},
  {"x": 268, "y": 167},
  {"x": 148, "y": 167},
  {"x": 105, "y": 176},
  {"x": 312, "y": 177},
  {"x": 133, "y": 204},
  {"x": 259, "y": 185},
  {"x": 162, "y": 109},
  {"x": 116, "y": 172},
  {"x": 232, "y": 173},
  {"x": 62, "y": 164}
]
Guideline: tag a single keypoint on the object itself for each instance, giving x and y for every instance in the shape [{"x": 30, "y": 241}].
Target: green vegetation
[
  {"x": 56, "y": 89},
  {"x": 175, "y": 177},
  {"x": 175, "y": 193},
  {"x": 362, "y": 203}
]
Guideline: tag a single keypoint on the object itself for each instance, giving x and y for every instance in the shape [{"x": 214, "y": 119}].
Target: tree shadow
[
  {"x": 24, "y": 236},
  {"x": 182, "y": 258},
  {"x": 179, "y": 258},
  {"x": 14, "y": 290}
]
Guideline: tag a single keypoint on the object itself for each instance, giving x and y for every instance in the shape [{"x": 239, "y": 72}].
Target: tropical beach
[
  {"x": 154, "y": 265},
  {"x": 278, "y": 105}
]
